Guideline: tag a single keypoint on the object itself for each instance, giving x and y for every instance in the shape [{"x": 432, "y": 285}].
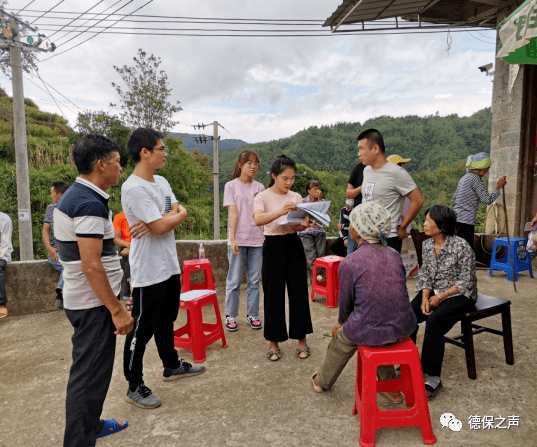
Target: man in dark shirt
[
  {"x": 56, "y": 192},
  {"x": 354, "y": 192}
]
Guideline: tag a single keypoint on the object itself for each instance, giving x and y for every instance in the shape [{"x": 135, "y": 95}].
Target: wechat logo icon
[{"x": 449, "y": 420}]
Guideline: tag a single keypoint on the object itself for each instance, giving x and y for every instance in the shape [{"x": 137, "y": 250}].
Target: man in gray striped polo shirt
[{"x": 470, "y": 191}]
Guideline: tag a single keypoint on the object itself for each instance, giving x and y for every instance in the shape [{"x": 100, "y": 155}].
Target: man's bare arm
[
  {"x": 45, "y": 235},
  {"x": 352, "y": 192},
  {"x": 92, "y": 267}
]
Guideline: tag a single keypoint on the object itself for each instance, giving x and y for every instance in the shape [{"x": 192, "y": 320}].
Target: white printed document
[{"x": 316, "y": 210}]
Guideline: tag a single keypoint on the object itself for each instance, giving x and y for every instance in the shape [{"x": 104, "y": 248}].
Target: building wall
[{"x": 505, "y": 147}]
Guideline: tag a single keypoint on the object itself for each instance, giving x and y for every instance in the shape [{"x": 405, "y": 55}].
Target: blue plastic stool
[{"x": 504, "y": 264}]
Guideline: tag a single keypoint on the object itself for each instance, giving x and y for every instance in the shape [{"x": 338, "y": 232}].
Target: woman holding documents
[{"x": 284, "y": 261}]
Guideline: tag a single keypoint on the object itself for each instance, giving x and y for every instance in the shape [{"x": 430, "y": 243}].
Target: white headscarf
[{"x": 371, "y": 221}]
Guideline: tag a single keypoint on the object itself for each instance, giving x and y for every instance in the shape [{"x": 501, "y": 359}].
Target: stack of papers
[{"x": 316, "y": 210}]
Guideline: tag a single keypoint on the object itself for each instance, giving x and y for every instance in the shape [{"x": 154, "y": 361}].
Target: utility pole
[
  {"x": 216, "y": 173},
  {"x": 216, "y": 183},
  {"x": 10, "y": 38},
  {"x": 21, "y": 151}
]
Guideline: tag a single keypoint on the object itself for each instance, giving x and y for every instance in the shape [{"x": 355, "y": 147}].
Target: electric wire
[
  {"x": 39, "y": 76},
  {"x": 95, "y": 35},
  {"x": 20, "y": 10},
  {"x": 66, "y": 34},
  {"x": 82, "y": 32},
  {"x": 74, "y": 19},
  {"x": 57, "y": 4}
]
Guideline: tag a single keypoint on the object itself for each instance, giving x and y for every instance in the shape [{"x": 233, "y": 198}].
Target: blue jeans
[
  {"x": 351, "y": 246},
  {"x": 252, "y": 258},
  {"x": 58, "y": 267}
]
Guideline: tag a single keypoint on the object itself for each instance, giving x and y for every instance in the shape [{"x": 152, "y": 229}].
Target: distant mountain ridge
[
  {"x": 429, "y": 141},
  {"x": 190, "y": 143}
]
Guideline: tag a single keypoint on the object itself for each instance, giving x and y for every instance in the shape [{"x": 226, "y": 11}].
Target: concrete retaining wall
[{"x": 30, "y": 285}]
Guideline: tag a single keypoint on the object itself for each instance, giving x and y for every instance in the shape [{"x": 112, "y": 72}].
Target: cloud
[{"x": 263, "y": 88}]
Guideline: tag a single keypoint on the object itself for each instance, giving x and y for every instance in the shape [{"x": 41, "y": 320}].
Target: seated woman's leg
[
  {"x": 339, "y": 352},
  {"x": 443, "y": 318},
  {"x": 416, "y": 307}
]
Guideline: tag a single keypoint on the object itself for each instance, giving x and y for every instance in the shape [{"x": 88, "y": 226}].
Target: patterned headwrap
[
  {"x": 478, "y": 161},
  {"x": 371, "y": 221}
]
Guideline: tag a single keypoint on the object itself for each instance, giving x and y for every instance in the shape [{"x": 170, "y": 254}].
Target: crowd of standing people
[{"x": 381, "y": 201}]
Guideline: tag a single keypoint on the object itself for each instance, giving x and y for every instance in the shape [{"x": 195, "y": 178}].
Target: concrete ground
[{"x": 244, "y": 399}]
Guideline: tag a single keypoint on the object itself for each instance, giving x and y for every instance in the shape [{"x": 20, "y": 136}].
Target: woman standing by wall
[
  {"x": 245, "y": 242},
  {"x": 284, "y": 261}
]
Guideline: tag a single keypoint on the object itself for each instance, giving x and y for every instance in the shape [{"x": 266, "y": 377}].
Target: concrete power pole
[
  {"x": 21, "y": 151},
  {"x": 216, "y": 183}
]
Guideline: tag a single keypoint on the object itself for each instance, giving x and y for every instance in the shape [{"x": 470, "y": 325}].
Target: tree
[
  {"x": 104, "y": 124},
  {"x": 145, "y": 101}
]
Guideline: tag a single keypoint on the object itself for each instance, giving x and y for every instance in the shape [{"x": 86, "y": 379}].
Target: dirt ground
[{"x": 244, "y": 399}]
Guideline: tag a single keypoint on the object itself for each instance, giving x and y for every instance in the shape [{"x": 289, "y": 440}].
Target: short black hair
[
  {"x": 444, "y": 218},
  {"x": 91, "y": 148},
  {"x": 140, "y": 138},
  {"x": 373, "y": 136},
  {"x": 312, "y": 184},
  {"x": 60, "y": 187},
  {"x": 280, "y": 164}
]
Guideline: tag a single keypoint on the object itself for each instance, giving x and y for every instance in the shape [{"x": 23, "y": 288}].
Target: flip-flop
[
  {"x": 110, "y": 427},
  {"x": 3, "y": 312},
  {"x": 129, "y": 305}
]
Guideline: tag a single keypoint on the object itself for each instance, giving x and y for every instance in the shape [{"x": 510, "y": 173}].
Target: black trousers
[
  {"x": 94, "y": 348},
  {"x": 284, "y": 263},
  {"x": 154, "y": 310},
  {"x": 443, "y": 318},
  {"x": 338, "y": 247},
  {"x": 467, "y": 232},
  {"x": 395, "y": 243}
]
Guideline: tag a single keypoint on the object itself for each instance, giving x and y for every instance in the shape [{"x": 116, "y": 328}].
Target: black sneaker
[
  {"x": 433, "y": 392},
  {"x": 143, "y": 397},
  {"x": 184, "y": 370}
]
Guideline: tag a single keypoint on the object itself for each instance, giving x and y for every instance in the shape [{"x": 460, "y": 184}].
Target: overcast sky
[{"x": 265, "y": 88}]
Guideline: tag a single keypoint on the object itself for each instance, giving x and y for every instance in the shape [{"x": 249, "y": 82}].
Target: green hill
[{"x": 429, "y": 141}]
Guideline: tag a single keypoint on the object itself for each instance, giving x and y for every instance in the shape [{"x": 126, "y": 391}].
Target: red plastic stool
[
  {"x": 330, "y": 287},
  {"x": 200, "y": 334},
  {"x": 410, "y": 383},
  {"x": 197, "y": 265}
]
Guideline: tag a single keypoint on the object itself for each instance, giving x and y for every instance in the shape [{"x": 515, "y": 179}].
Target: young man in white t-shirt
[
  {"x": 153, "y": 213},
  {"x": 389, "y": 184}
]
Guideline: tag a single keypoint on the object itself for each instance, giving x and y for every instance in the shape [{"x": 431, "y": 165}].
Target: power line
[
  {"x": 59, "y": 3},
  {"x": 382, "y": 32},
  {"x": 43, "y": 90},
  {"x": 20, "y": 10},
  {"x": 54, "y": 99},
  {"x": 66, "y": 34},
  {"x": 197, "y": 18},
  {"x": 75, "y": 18},
  {"x": 57, "y": 54}
]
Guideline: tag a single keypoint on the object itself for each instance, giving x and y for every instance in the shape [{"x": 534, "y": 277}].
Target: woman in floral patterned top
[{"x": 447, "y": 289}]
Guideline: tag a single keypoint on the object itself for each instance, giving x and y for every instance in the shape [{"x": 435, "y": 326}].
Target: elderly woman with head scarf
[
  {"x": 374, "y": 308},
  {"x": 470, "y": 191}
]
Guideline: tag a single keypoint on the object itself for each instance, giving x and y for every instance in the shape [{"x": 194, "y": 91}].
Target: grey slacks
[{"x": 339, "y": 352}]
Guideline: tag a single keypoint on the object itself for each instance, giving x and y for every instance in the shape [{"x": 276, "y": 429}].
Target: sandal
[
  {"x": 305, "y": 350},
  {"x": 110, "y": 427},
  {"x": 3, "y": 312},
  {"x": 129, "y": 305},
  {"x": 276, "y": 352}
]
